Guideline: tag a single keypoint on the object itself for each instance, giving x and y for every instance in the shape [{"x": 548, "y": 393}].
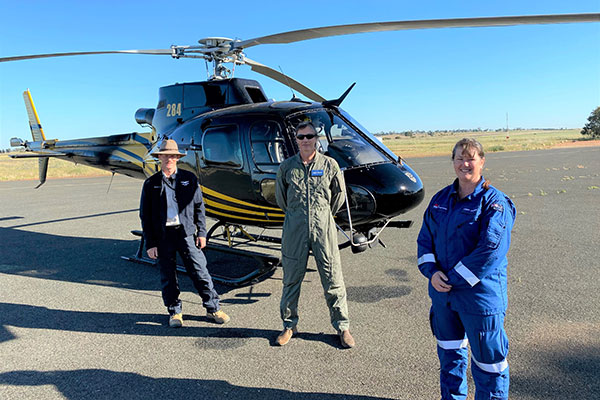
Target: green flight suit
[{"x": 310, "y": 195}]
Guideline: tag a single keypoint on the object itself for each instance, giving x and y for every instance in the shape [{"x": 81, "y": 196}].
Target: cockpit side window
[
  {"x": 221, "y": 147},
  {"x": 268, "y": 145}
]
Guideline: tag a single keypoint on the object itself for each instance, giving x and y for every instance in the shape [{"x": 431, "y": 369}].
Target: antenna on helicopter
[
  {"x": 339, "y": 100},
  {"x": 294, "y": 97}
]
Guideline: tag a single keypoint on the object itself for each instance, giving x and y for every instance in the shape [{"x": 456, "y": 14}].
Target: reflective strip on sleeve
[
  {"x": 425, "y": 258},
  {"x": 453, "y": 344},
  {"x": 466, "y": 274},
  {"x": 497, "y": 367}
]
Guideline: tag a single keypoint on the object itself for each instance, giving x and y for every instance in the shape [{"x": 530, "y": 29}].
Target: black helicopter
[{"x": 236, "y": 138}]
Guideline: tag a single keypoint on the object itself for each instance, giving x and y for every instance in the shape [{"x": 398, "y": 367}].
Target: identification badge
[{"x": 316, "y": 172}]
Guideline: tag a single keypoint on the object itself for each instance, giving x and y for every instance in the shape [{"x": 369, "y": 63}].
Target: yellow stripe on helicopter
[
  {"x": 214, "y": 204},
  {"x": 208, "y": 210},
  {"x": 34, "y": 121},
  {"x": 234, "y": 200}
]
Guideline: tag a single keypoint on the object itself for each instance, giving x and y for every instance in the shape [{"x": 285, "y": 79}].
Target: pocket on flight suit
[
  {"x": 292, "y": 272},
  {"x": 492, "y": 343},
  {"x": 288, "y": 259}
]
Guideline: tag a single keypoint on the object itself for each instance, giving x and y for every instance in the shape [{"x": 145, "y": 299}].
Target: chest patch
[
  {"x": 436, "y": 206},
  {"x": 316, "y": 172}
]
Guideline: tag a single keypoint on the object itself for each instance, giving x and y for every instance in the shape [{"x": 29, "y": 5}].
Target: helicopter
[{"x": 235, "y": 137}]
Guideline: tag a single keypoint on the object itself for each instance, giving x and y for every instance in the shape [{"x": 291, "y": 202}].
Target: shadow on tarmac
[
  {"x": 574, "y": 375},
  {"x": 97, "y": 262},
  {"x": 71, "y": 218},
  {"x": 212, "y": 336},
  {"x": 105, "y": 384}
]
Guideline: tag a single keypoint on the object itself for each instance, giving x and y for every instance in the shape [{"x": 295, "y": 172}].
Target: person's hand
[
  {"x": 439, "y": 281},
  {"x": 153, "y": 253},
  {"x": 201, "y": 242}
]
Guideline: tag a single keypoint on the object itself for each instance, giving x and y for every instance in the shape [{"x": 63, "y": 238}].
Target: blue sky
[{"x": 542, "y": 76}]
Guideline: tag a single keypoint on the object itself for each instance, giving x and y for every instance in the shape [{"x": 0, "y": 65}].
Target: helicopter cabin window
[
  {"x": 268, "y": 145},
  {"x": 221, "y": 147}
]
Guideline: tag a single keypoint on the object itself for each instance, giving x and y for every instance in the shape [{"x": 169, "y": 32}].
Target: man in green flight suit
[{"x": 310, "y": 190}]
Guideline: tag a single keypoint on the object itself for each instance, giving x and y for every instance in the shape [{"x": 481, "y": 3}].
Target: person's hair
[
  {"x": 305, "y": 124},
  {"x": 468, "y": 145}
]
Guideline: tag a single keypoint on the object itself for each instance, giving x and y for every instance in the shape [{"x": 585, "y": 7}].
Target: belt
[{"x": 173, "y": 227}]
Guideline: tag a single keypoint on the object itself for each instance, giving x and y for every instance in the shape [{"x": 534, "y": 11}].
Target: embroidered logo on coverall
[{"x": 497, "y": 207}]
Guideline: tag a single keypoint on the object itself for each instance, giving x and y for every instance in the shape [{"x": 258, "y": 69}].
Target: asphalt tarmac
[{"x": 77, "y": 322}]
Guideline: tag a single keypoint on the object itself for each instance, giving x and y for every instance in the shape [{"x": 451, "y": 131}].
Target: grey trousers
[{"x": 332, "y": 280}]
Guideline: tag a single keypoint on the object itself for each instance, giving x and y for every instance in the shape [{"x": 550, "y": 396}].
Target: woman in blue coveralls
[{"x": 462, "y": 249}]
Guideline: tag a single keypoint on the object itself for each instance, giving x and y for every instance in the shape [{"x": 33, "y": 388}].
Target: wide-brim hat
[{"x": 168, "y": 147}]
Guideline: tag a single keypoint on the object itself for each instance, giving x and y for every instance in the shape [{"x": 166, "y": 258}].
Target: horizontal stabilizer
[{"x": 45, "y": 155}]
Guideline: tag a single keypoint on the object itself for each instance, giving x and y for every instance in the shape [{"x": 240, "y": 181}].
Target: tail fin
[
  {"x": 34, "y": 122},
  {"x": 37, "y": 133}
]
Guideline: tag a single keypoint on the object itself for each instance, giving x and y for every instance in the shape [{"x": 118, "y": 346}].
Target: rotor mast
[{"x": 216, "y": 50}]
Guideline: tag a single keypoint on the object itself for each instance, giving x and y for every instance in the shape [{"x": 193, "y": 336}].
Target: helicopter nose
[{"x": 381, "y": 191}]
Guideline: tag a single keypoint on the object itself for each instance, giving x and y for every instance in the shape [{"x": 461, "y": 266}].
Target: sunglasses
[{"x": 309, "y": 136}]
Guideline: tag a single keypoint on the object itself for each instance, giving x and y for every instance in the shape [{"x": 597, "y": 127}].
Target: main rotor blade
[
  {"x": 313, "y": 33},
  {"x": 84, "y": 53},
  {"x": 282, "y": 78}
]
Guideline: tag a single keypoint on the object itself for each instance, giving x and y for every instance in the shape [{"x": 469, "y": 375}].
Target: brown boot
[
  {"x": 219, "y": 317},
  {"x": 285, "y": 336},
  {"x": 176, "y": 320},
  {"x": 346, "y": 339}
]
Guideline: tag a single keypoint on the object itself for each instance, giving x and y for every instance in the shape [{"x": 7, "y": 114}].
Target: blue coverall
[{"x": 468, "y": 239}]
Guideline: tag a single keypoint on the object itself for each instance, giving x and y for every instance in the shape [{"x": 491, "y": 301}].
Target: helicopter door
[
  {"x": 226, "y": 183},
  {"x": 268, "y": 145},
  {"x": 268, "y": 151}
]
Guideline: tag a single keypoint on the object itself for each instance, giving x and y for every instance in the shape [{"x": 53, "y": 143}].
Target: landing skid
[{"x": 266, "y": 263}]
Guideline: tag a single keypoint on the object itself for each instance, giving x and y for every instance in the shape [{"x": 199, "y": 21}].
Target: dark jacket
[{"x": 153, "y": 206}]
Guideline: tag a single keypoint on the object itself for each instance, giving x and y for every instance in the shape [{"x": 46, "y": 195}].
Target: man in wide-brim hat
[
  {"x": 172, "y": 214},
  {"x": 168, "y": 147}
]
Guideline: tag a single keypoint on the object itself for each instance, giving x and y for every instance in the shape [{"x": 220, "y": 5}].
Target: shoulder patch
[{"x": 497, "y": 206}]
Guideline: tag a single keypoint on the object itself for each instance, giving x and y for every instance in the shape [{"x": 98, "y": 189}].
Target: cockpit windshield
[{"x": 339, "y": 140}]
